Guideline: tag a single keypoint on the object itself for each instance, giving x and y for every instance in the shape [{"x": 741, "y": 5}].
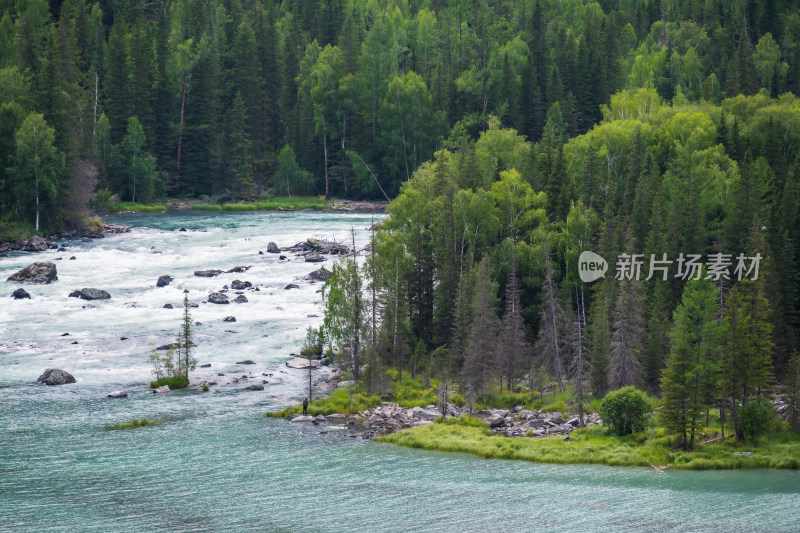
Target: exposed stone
[
  {"x": 301, "y": 362},
  {"x": 20, "y": 294},
  {"x": 168, "y": 306},
  {"x": 245, "y": 362},
  {"x": 314, "y": 258},
  {"x": 229, "y": 319},
  {"x": 163, "y": 281},
  {"x": 291, "y": 286},
  {"x": 170, "y": 346},
  {"x": 254, "y": 387},
  {"x": 320, "y": 418},
  {"x": 301, "y": 418},
  {"x": 36, "y": 273},
  {"x": 117, "y": 394},
  {"x": 55, "y": 376},
  {"x": 207, "y": 273},
  {"x": 238, "y": 270},
  {"x": 164, "y": 389},
  {"x": 35, "y": 244},
  {"x": 217, "y": 298},
  {"x": 273, "y": 248},
  {"x": 87, "y": 293},
  {"x": 240, "y": 285},
  {"x": 321, "y": 274},
  {"x": 240, "y": 299}
]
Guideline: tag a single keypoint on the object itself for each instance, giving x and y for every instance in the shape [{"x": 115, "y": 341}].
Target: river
[{"x": 218, "y": 464}]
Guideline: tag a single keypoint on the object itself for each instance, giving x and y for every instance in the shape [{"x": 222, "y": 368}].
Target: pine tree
[
  {"x": 512, "y": 330},
  {"x": 480, "y": 363},
  {"x": 239, "y": 150},
  {"x": 691, "y": 370}
]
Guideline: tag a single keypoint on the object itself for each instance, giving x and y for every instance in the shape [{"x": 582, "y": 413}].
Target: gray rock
[
  {"x": 336, "y": 417},
  {"x": 245, "y": 362},
  {"x": 745, "y": 454},
  {"x": 283, "y": 258},
  {"x": 314, "y": 258},
  {"x": 321, "y": 274},
  {"x": 346, "y": 383},
  {"x": 320, "y": 418},
  {"x": 217, "y": 298},
  {"x": 238, "y": 270},
  {"x": 36, "y": 244},
  {"x": 240, "y": 299},
  {"x": 20, "y": 294},
  {"x": 240, "y": 285},
  {"x": 94, "y": 294},
  {"x": 75, "y": 294},
  {"x": 273, "y": 248},
  {"x": 117, "y": 394},
  {"x": 36, "y": 273},
  {"x": 423, "y": 414},
  {"x": 168, "y": 306},
  {"x": 55, "y": 376},
  {"x": 301, "y": 418},
  {"x": 254, "y": 387},
  {"x": 207, "y": 273},
  {"x": 291, "y": 286},
  {"x": 229, "y": 319},
  {"x": 163, "y": 281},
  {"x": 574, "y": 422},
  {"x": 164, "y": 389}
]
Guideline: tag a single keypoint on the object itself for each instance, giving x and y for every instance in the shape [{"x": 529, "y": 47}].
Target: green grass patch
[
  {"x": 593, "y": 445},
  {"x": 178, "y": 382},
  {"x": 269, "y": 204},
  {"x": 338, "y": 402},
  {"x": 135, "y": 423},
  {"x": 116, "y": 207},
  {"x": 15, "y": 232}
]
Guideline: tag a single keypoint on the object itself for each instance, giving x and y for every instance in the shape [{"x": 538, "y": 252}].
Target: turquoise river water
[{"x": 218, "y": 464}]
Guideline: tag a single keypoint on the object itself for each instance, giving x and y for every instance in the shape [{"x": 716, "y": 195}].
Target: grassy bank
[
  {"x": 269, "y": 204},
  {"x": 593, "y": 445}
]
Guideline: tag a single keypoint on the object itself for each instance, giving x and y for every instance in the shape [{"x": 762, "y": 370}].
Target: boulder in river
[
  {"x": 240, "y": 299},
  {"x": 163, "y": 281},
  {"x": 229, "y": 319},
  {"x": 168, "y": 306},
  {"x": 273, "y": 248},
  {"x": 321, "y": 274},
  {"x": 245, "y": 362},
  {"x": 301, "y": 362},
  {"x": 207, "y": 273},
  {"x": 238, "y": 285},
  {"x": 301, "y": 418},
  {"x": 291, "y": 286},
  {"x": 20, "y": 294},
  {"x": 170, "y": 346},
  {"x": 35, "y": 244},
  {"x": 87, "y": 293},
  {"x": 238, "y": 269},
  {"x": 254, "y": 387},
  {"x": 218, "y": 298},
  {"x": 117, "y": 394},
  {"x": 164, "y": 389},
  {"x": 55, "y": 376},
  {"x": 314, "y": 258},
  {"x": 36, "y": 273}
]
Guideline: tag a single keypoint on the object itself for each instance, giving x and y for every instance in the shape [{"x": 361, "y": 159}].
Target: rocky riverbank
[
  {"x": 390, "y": 417},
  {"x": 35, "y": 243}
]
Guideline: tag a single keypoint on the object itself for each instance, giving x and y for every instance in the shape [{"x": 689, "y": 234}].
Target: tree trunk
[{"x": 180, "y": 127}]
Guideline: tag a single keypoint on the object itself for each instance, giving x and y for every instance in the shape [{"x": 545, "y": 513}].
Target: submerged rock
[
  {"x": 254, "y": 387},
  {"x": 55, "y": 376},
  {"x": 245, "y": 362},
  {"x": 20, "y": 294},
  {"x": 36, "y": 273},
  {"x": 218, "y": 298},
  {"x": 238, "y": 269},
  {"x": 291, "y": 286},
  {"x": 117, "y": 394}
]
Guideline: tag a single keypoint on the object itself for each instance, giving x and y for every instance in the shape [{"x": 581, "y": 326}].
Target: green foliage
[
  {"x": 625, "y": 410},
  {"x": 135, "y": 423},
  {"x": 758, "y": 417},
  {"x": 173, "y": 382},
  {"x": 338, "y": 402}
]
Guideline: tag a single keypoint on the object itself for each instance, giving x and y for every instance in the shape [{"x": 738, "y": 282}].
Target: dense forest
[{"x": 513, "y": 135}]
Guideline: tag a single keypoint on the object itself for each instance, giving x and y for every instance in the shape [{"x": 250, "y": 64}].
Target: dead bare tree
[{"x": 550, "y": 341}]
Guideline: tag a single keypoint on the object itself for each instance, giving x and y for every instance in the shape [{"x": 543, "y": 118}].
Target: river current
[{"x": 217, "y": 463}]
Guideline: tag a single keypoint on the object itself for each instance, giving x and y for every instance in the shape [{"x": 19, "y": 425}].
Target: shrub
[
  {"x": 457, "y": 400},
  {"x": 757, "y": 418},
  {"x": 173, "y": 382},
  {"x": 625, "y": 410}
]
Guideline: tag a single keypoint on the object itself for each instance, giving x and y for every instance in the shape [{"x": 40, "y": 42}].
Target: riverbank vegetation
[
  {"x": 172, "y": 369},
  {"x": 594, "y": 445}
]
